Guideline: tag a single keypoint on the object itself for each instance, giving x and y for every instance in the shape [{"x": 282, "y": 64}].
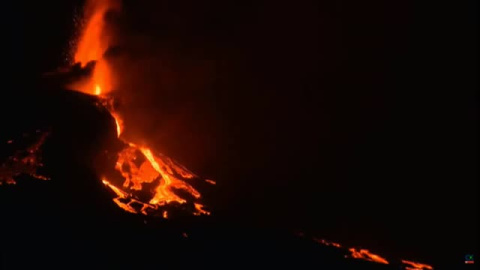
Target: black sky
[{"x": 355, "y": 121}]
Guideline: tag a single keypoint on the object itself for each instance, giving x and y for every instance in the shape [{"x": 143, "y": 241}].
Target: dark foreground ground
[{"x": 71, "y": 222}]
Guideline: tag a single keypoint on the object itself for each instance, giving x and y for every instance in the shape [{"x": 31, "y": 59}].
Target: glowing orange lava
[
  {"x": 364, "y": 254},
  {"x": 416, "y": 266},
  {"x": 25, "y": 162},
  {"x": 139, "y": 166},
  {"x": 327, "y": 243},
  {"x": 210, "y": 181}
]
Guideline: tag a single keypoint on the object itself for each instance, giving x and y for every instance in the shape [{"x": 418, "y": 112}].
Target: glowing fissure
[
  {"x": 136, "y": 163},
  {"x": 366, "y": 255}
]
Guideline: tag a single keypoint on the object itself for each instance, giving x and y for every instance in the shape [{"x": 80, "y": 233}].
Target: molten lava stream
[
  {"x": 416, "y": 265},
  {"x": 365, "y": 254},
  {"x": 140, "y": 167}
]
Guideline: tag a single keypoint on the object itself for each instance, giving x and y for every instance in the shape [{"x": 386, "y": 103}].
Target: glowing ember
[
  {"x": 327, "y": 243},
  {"x": 24, "y": 162},
  {"x": 210, "y": 181},
  {"x": 416, "y": 266},
  {"x": 364, "y": 254},
  {"x": 150, "y": 180}
]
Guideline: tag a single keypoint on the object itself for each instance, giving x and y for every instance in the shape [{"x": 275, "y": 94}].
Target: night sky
[{"x": 354, "y": 121}]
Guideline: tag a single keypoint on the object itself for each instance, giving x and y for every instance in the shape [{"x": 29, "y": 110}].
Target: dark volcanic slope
[{"x": 70, "y": 221}]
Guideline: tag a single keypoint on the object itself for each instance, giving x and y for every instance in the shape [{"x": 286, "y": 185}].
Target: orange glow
[
  {"x": 210, "y": 181},
  {"x": 327, "y": 243},
  {"x": 200, "y": 210},
  {"x": 24, "y": 162},
  {"x": 118, "y": 123},
  {"x": 416, "y": 266},
  {"x": 98, "y": 90},
  {"x": 364, "y": 254},
  {"x": 92, "y": 45},
  {"x": 150, "y": 180},
  {"x": 121, "y": 195},
  {"x": 139, "y": 167}
]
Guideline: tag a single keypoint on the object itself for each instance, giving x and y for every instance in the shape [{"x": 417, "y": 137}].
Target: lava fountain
[{"x": 139, "y": 166}]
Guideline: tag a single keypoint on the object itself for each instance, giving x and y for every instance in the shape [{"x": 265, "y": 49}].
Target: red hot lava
[{"x": 366, "y": 255}]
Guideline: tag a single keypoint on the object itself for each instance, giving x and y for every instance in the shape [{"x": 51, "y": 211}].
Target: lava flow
[
  {"x": 416, "y": 265},
  {"x": 140, "y": 168},
  {"x": 92, "y": 44},
  {"x": 366, "y": 255},
  {"x": 362, "y": 254},
  {"x": 24, "y": 162}
]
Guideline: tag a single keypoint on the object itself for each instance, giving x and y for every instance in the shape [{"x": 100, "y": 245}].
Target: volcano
[
  {"x": 182, "y": 134},
  {"x": 80, "y": 223}
]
